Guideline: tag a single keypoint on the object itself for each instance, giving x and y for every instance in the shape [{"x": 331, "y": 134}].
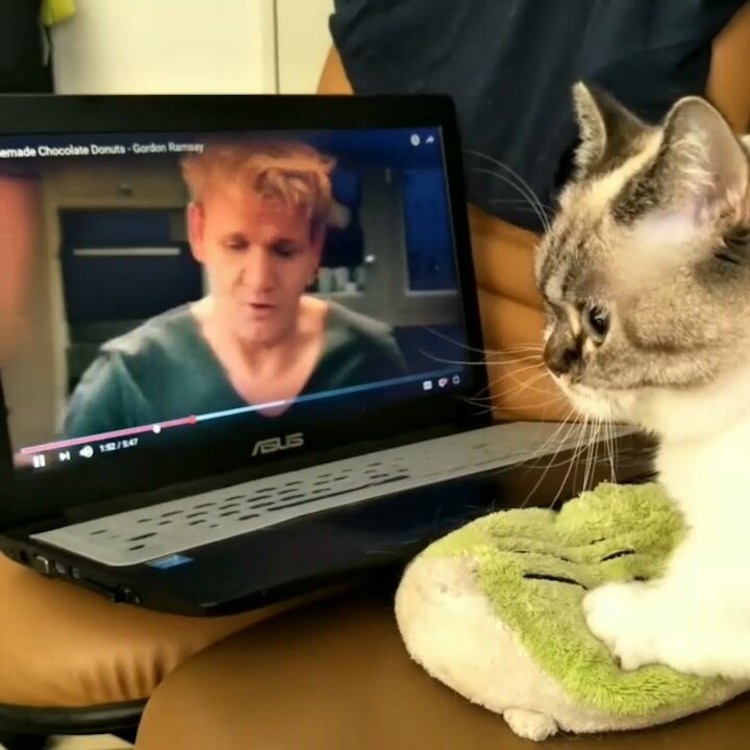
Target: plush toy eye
[{"x": 598, "y": 320}]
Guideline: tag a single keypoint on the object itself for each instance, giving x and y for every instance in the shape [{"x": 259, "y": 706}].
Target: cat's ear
[
  {"x": 608, "y": 131},
  {"x": 701, "y": 165}
]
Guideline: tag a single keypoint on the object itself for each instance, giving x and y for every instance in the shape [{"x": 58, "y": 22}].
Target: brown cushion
[
  {"x": 337, "y": 677},
  {"x": 65, "y": 647}
]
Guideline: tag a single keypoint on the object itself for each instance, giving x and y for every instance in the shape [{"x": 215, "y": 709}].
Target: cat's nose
[{"x": 560, "y": 359}]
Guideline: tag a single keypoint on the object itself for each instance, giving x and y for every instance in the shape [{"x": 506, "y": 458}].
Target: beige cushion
[{"x": 64, "y": 647}]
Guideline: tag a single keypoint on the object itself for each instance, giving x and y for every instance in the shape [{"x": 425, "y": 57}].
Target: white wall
[
  {"x": 304, "y": 41},
  {"x": 167, "y": 46}
]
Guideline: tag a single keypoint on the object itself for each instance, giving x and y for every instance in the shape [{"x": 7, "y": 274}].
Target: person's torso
[{"x": 510, "y": 66}]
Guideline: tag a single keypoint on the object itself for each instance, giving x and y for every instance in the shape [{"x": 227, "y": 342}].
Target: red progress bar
[{"x": 107, "y": 436}]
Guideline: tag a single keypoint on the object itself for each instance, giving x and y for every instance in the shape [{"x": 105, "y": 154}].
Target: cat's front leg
[
  {"x": 651, "y": 623},
  {"x": 627, "y": 617}
]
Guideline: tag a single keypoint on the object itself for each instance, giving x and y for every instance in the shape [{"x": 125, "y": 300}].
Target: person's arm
[
  {"x": 728, "y": 82},
  {"x": 333, "y": 79}
]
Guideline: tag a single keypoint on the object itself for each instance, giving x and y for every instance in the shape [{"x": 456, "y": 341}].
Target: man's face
[{"x": 259, "y": 257}]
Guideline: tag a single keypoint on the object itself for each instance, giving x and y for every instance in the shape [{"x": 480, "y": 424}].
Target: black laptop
[{"x": 251, "y": 359}]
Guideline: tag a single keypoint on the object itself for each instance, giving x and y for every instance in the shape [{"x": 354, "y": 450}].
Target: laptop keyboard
[{"x": 139, "y": 536}]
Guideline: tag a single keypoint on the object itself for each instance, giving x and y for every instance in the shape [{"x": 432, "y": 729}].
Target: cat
[{"x": 645, "y": 278}]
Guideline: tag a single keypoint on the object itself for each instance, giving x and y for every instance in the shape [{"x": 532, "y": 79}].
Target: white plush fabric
[{"x": 449, "y": 628}]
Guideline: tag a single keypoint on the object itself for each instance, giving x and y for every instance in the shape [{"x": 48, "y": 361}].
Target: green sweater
[{"x": 165, "y": 369}]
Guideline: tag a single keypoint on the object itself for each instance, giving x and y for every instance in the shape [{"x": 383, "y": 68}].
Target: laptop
[{"x": 251, "y": 362}]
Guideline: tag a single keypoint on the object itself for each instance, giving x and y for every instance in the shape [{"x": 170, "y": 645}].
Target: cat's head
[{"x": 645, "y": 272}]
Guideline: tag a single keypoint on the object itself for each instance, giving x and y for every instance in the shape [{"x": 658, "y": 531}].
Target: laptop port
[
  {"x": 42, "y": 564},
  {"x": 115, "y": 595},
  {"x": 130, "y": 596},
  {"x": 61, "y": 568}
]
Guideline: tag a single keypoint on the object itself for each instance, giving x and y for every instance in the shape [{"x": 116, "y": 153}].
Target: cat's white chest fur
[
  {"x": 696, "y": 618},
  {"x": 709, "y": 478},
  {"x": 704, "y": 455}
]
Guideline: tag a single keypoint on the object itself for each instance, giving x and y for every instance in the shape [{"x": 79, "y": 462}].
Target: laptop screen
[{"x": 234, "y": 289}]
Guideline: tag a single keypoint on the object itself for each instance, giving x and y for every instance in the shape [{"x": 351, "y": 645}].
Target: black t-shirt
[{"x": 509, "y": 66}]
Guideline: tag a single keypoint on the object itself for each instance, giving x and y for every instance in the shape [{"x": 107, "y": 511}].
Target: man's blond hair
[{"x": 293, "y": 172}]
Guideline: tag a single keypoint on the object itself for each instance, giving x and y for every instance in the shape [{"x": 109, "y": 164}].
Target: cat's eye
[{"x": 597, "y": 318}]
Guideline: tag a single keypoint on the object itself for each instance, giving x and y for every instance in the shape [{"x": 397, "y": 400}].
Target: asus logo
[{"x": 276, "y": 444}]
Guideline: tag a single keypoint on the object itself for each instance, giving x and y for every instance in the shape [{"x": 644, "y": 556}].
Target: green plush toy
[{"x": 493, "y": 610}]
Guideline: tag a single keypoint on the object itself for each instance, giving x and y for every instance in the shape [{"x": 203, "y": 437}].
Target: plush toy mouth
[{"x": 553, "y": 579}]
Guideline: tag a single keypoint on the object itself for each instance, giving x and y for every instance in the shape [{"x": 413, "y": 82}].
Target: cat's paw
[{"x": 619, "y": 615}]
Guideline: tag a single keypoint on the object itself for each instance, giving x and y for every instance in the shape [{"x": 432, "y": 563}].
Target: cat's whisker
[
  {"x": 570, "y": 461},
  {"x": 492, "y": 402},
  {"x": 591, "y": 455},
  {"x": 612, "y": 448},
  {"x": 555, "y": 463},
  {"x": 523, "y": 201},
  {"x": 527, "y": 190},
  {"x": 522, "y": 347},
  {"x": 533, "y": 206},
  {"x": 573, "y": 460},
  {"x": 543, "y": 448},
  {"x": 598, "y": 445},
  {"x": 565, "y": 422},
  {"x": 531, "y": 347},
  {"x": 539, "y": 212},
  {"x": 525, "y": 383},
  {"x": 529, "y": 389},
  {"x": 510, "y": 359},
  {"x": 586, "y": 453},
  {"x": 521, "y": 209},
  {"x": 616, "y": 446},
  {"x": 530, "y": 360},
  {"x": 536, "y": 372},
  {"x": 520, "y": 386}
]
